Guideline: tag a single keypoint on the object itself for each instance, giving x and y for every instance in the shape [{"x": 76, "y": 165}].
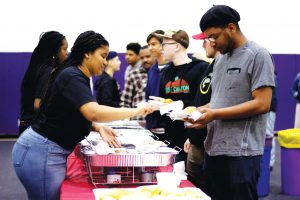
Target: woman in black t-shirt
[
  {"x": 68, "y": 112},
  {"x": 48, "y": 54}
]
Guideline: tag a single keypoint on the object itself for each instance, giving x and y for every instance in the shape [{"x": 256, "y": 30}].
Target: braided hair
[
  {"x": 44, "y": 54},
  {"x": 86, "y": 42}
]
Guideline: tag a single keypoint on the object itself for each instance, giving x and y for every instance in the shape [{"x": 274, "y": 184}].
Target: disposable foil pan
[{"x": 129, "y": 160}]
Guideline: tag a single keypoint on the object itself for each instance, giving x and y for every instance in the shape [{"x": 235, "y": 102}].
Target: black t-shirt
[
  {"x": 197, "y": 136},
  {"x": 108, "y": 91},
  {"x": 61, "y": 120},
  {"x": 37, "y": 91}
]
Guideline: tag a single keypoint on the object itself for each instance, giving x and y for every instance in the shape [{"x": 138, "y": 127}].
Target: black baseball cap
[{"x": 219, "y": 15}]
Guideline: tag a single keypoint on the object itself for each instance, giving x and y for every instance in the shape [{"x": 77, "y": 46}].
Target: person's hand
[
  {"x": 145, "y": 108},
  {"x": 109, "y": 136},
  {"x": 186, "y": 146},
  {"x": 207, "y": 116}
]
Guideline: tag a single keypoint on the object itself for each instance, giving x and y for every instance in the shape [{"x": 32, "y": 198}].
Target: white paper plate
[
  {"x": 180, "y": 116},
  {"x": 165, "y": 150},
  {"x": 156, "y": 98},
  {"x": 157, "y": 103},
  {"x": 175, "y": 106},
  {"x": 187, "y": 190}
]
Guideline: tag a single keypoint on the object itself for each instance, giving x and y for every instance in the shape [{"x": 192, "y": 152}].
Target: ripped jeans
[{"x": 40, "y": 165}]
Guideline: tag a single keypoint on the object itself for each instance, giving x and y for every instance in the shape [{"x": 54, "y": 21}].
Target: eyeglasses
[
  {"x": 213, "y": 37},
  {"x": 210, "y": 40},
  {"x": 163, "y": 44}
]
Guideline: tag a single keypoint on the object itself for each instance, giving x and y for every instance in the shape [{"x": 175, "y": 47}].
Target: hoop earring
[{"x": 53, "y": 61}]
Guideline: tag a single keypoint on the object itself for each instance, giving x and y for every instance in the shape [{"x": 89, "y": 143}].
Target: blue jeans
[{"x": 40, "y": 165}]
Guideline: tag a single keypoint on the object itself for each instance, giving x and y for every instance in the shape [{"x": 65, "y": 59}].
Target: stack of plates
[{"x": 178, "y": 116}]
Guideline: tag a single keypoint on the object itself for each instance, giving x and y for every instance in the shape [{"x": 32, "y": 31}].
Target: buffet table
[
  {"x": 77, "y": 185},
  {"x": 83, "y": 190}
]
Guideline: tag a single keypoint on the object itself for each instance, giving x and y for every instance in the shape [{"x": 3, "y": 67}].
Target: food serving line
[{"x": 93, "y": 164}]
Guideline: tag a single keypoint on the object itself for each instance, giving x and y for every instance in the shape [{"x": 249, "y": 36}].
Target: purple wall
[
  {"x": 287, "y": 67},
  {"x": 13, "y": 67}
]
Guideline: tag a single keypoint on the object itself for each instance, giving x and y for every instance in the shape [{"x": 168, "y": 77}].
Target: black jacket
[
  {"x": 108, "y": 91},
  {"x": 180, "y": 83},
  {"x": 197, "y": 136}
]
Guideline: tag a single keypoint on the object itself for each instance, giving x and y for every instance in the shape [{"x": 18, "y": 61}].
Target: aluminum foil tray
[{"x": 129, "y": 160}]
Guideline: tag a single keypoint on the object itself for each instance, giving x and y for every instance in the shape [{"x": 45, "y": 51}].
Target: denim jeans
[{"x": 40, "y": 165}]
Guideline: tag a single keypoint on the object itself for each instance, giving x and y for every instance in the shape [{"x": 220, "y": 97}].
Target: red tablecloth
[
  {"x": 76, "y": 191},
  {"x": 77, "y": 185}
]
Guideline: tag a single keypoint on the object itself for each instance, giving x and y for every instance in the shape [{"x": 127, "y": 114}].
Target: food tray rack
[{"x": 129, "y": 166}]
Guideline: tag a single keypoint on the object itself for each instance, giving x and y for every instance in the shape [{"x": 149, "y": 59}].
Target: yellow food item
[
  {"x": 107, "y": 198},
  {"x": 168, "y": 101},
  {"x": 116, "y": 194},
  {"x": 156, "y": 192},
  {"x": 192, "y": 193},
  {"x": 189, "y": 110},
  {"x": 145, "y": 189},
  {"x": 145, "y": 194}
]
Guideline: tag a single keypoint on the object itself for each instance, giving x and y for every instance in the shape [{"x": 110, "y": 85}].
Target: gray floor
[
  {"x": 11, "y": 188},
  {"x": 275, "y": 181}
]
